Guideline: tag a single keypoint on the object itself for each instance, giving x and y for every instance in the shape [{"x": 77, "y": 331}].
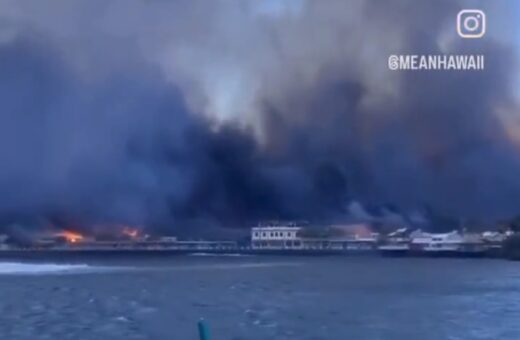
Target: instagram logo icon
[{"x": 471, "y": 23}]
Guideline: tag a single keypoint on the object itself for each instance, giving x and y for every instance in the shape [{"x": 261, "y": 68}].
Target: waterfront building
[
  {"x": 276, "y": 237},
  {"x": 290, "y": 237},
  {"x": 421, "y": 243}
]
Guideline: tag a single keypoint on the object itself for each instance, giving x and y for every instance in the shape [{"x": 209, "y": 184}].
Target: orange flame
[
  {"x": 130, "y": 232},
  {"x": 71, "y": 236}
]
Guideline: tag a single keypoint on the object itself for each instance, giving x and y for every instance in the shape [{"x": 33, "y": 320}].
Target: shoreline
[{"x": 64, "y": 254}]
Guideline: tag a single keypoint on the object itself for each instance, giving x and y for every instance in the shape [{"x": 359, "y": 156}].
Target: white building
[
  {"x": 292, "y": 237},
  {"x": 275, "y": 237}
]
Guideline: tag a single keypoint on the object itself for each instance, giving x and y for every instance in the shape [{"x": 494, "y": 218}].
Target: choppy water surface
[{"x": 261, "y": 298}]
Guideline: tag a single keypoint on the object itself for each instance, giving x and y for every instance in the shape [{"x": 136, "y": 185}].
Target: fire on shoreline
[
  {"x": 130, "y": 232},
  {"x": 120, "y": 232},
  {"x": 107, "y": 232},
  {"x": 71, "y": 236}
]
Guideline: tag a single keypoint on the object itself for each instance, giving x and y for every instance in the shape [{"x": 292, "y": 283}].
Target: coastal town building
[
  {"x": 336, "y": 237},
  {"x": 276, "y": 237},
  {"x": 418, "y": 242}
]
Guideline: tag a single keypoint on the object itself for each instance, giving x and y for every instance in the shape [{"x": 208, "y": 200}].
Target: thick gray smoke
[{"x": 181, "y": 113}]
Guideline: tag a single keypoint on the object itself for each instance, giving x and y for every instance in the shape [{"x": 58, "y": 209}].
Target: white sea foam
[
  {"x": 20, "y": 268},
  {"x": 7, "y": 268}
]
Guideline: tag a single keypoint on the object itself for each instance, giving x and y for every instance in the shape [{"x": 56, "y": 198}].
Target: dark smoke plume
[{"x": 192, "y": 113}]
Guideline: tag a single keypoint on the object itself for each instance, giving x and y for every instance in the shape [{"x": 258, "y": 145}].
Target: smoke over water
[{"x": 186, "y": 113}]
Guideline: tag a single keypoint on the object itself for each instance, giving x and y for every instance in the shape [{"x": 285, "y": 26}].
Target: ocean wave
[{"x": 7, "y": 268}]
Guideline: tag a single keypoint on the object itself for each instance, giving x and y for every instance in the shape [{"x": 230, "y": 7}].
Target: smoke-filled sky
[{"x": 172, "y": 113}]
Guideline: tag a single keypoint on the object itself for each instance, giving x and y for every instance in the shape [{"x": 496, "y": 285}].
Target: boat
[{"x": 451, "y": 244}]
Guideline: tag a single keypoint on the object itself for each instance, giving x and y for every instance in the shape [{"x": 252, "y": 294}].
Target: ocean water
[{"x": 254, "y": 297}]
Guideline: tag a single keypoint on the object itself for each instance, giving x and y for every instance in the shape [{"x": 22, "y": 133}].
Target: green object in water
[{"x": 203, "y": 330}]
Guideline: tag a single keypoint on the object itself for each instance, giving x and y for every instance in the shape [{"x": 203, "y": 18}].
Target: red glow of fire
[
  {"x": 130, "y": 232},
  {"x": 70, "y": 236}
]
